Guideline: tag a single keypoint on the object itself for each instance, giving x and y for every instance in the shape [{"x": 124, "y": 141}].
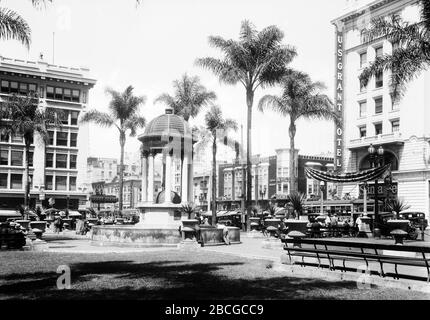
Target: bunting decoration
[{"x": 360, "y": 176}]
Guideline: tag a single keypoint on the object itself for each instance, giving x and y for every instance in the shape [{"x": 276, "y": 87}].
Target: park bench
[{"x": 327, "y": 252}]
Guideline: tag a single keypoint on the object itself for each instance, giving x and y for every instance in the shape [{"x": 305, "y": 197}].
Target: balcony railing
[{"x": 394, "y": 137}]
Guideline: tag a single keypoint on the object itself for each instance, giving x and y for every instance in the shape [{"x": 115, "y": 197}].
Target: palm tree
[
  {"x": 300, "y": 98},
  {"x": 13, "y": 26},
  {"x": 21, "y": 115},
  {"x": 397, "y": 205},
  {"x": 188, "y": 208},
  {"x": 410, "y": 56},
  {"x": 257, "y": 59},
  {"x": 189, "y": 97},
  {"x": 216, "y": 131},
  {"x": 123, "y": 115},
  {"x": 296, "y": 201}
]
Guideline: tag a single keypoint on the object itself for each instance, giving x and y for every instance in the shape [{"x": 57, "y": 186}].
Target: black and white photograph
[{"x": 213, "y": 155}]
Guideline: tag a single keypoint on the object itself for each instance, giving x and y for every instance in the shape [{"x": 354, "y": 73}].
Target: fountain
[{"x": 160, "y": 216}]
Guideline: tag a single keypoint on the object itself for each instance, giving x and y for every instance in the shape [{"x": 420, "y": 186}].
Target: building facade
[
  {"x": 270, "y": 178},
  {"x": 101, "y": 169},
  {"x": 371, "y": 116},
  {"x": 58, "y": 169}
]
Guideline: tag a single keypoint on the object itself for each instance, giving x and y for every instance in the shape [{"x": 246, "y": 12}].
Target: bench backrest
[{"x": 364, "y": 245}]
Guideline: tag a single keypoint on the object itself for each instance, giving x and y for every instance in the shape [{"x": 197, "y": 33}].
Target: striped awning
[{"x": 360, "y": 176}]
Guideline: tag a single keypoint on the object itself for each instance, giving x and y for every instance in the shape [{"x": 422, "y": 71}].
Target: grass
[{"x": 167, "y": 275}]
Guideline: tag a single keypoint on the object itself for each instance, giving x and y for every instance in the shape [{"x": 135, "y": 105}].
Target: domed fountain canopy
[{"x": 163, "y": 129}]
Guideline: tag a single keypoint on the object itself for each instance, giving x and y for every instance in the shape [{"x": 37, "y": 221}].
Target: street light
[
  {"x": 376, "y": 158},
  {"x": 322, "y": 197}
]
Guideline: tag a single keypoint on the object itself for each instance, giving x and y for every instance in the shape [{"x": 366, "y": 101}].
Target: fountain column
[
  {"x": 184, "y": 177},
  {"x": 168, "y": 179},
  {"x": 150, "y": 197},
  {"x": 145, "y": 178}
]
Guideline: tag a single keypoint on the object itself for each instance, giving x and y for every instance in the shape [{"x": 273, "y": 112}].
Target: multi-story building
[
  {"x": 201, "y": 188},
  {"x": 270, "y": 177},
  {"x": 57, "y": 169},
  {"x": 101, "y": 169},
  {"x": 132, "y": 191},
  {"x": 371, "y": 116}
]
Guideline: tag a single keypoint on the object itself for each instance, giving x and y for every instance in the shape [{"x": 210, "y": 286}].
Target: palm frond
[
  {"x": 226, "y": 72},
  {"x": 101, "y": 118},
  {"x": 13, "y": 26},
  {"x": 133, "y": 124}
]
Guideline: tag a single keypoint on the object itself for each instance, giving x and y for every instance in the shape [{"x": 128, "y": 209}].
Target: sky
[{"x": 150, "y": 45}]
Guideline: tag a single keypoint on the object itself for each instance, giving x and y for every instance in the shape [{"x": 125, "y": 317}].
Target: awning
[{"x": 360, "y": 176}]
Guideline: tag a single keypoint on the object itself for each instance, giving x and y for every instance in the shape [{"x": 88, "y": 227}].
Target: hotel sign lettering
[{"x": 339, "y": 101}]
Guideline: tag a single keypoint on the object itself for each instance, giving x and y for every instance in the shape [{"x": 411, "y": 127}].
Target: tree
[
  {"x": 257, "y": 59},
  {"x": 123, "y": 115},
  {"x": 21, "y": 115},
  {"x": 397, "y": 205},
  {"x": 411, "y": 49},
  {"x": 188, "y": 208},
  {"x": 296, "y": 201},
  {"x": 216, "y": 131},
  {"x": 189, "y": 97},
  {"x": 300, "y": 98}
]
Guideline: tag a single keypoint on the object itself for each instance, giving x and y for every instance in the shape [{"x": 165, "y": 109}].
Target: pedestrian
[{"x": 58, "y": 224}]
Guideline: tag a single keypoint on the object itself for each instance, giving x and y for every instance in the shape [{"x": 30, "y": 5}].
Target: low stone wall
[
  {"x": 213, "y": 236},
  {"x": 134, "y": 237}
]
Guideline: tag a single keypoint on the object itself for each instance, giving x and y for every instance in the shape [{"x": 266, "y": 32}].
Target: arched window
[{"x": 389, "y": 157}]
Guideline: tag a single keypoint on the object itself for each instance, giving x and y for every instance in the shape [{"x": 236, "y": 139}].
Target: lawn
[{"x": 167, "y": 275}]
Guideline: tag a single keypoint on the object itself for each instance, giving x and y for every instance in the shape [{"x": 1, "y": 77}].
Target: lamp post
[
  {"x": 262, "y": 194},
  {"x": 375, "y": 159},
  {"x": 322, "y": 197}
]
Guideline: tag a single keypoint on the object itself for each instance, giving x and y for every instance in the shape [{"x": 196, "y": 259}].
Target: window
[
  {"x": 364, "y": 36},
  {"x": 30, "y": 158},
  {"x": 378, "y": 128},
  {"x": 17, "y": 138},
  {"x": 63, "y": 116},
  {"x": 13, "y": 87},
  {"x": 5, "y": 86},
  {"x": 362, "y": 108},
  {"x": 4, "y": 158},
  {"x": 4, "y": 138},
  {"x": 51, "y": 138},
  {"x": 62, "y": 138},
  {"x": 32, "y": 88},
  {"x": 72, "y": 184},
  {"x": 74, "y": 118},
  {"x": 23, "y": 88},
  {"x": 48, "y": 183},
  {"x": 3, "y": 180},
  {"x": 73, "y": 139},
  {"x": 75, "y": 95},
  {"x": 378, "y": 52},
  {"x": 50, "y": 92},
  {"x": 16, "y": 158},
  {"x": 379, "y": 80},
  {"x": 378, "y": 105},
  {"x": 58, "y": 94},
  {"x": 61, "y": 183},
  {"x": 61, "y": 160},
  {"x": 67, "y": 95},
  {"x": 16, "y": 181},
  {"x": 49, "y": 161},
  {"x": 362, "y": 131},
  {"x": 72, "y": 164},
  {"x": 395, "y": 125},
  {"x": 363, "y": 59}
]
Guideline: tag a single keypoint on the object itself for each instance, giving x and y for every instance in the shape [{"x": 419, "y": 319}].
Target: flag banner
[{"x": 360, "y": 176}]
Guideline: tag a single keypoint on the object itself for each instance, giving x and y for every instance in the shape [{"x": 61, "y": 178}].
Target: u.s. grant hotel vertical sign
[{"x": 339, "y": 98}]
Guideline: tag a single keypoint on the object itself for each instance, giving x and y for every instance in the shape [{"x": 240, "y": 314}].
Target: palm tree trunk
[
  {"x": 249, "y": 103},
  {"x": 214, "y": 149},
  {"x": 292, "y": 133},
  {"x": 27, "y": 174},
  {"x": 121, "y": 169}
]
